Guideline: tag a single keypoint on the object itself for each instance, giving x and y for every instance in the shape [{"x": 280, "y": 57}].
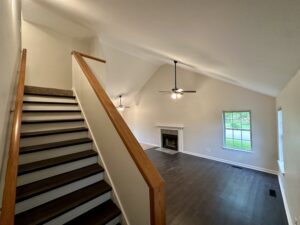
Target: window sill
[{"x": 238, "y": 150}]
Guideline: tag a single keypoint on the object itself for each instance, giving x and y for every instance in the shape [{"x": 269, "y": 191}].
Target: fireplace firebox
[{"x": 169, "y": 139}]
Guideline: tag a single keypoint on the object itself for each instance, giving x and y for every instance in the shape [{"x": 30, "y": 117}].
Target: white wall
[
  {"x": 124, "y": 73},
  {"x": 10, "y": 43},
  {"x": 49, "y": 56},
  {"x": 288, "y": 100},
  {"x": 201, "y": 114}
]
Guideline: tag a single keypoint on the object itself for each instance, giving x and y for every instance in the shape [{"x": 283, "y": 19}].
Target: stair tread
[
  {"x": 43, "y": 91},
  {"x": 29, "y": 190},
  {"x": 49, "y": 110},
  {"x": 99, "y": 215},
  {"x": 52, "y": 121},
  {"x": 50, "y": 132},
  {"x": 59, "y": 144},
  {"x": 52, "y": 103},
  {"x": 43, "y": 164},
  {"x": 59, "y": 206}
]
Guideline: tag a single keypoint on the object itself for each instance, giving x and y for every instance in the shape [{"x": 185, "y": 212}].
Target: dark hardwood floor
[{"x": 204, "y": 192}]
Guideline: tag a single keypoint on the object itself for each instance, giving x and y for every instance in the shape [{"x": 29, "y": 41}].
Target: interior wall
[
  {"x": 49, "y": 55},
  {"x": 124, "y": 73},
  {"x": 10, "y": 43},
  {"x": 201, "y": 115},
  {"x": 288, "y": 100}
]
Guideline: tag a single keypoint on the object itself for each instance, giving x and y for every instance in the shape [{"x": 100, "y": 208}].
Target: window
[
  {"x": 237, "y": 130},
  {"x": 280, "y": 140}
]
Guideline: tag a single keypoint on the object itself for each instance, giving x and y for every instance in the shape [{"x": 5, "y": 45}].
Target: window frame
[{"x": 224, "y": 130}]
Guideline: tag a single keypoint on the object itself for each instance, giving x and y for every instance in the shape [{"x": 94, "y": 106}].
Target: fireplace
[{"x": 169, "y": 139}]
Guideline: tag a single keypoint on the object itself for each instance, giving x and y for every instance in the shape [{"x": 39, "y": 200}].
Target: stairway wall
[
  {"x": 49, "y": 60},
  {"x": 128, "y": 183},
  {"x": 10, "y": 43}
]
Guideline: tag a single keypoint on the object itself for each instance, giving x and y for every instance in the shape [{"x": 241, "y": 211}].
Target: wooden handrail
[
  {"x": 145, "y": 166},
  {"x": 9, "y": 193},
  {"x": 89, "y": 56}
]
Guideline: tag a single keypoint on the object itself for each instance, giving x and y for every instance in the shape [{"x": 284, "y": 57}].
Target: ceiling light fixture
[{"x": 121, "y": 107}]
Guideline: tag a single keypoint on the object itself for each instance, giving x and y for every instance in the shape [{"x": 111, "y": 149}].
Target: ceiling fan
[
  {"x": 121, "y": 107},
  {"x": 177, "y": 93}
]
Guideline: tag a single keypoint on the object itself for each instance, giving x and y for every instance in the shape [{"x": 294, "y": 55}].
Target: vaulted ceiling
[{"x": 254, "y": 44}]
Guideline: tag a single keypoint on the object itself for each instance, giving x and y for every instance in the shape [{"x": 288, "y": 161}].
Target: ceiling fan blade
[
  {"x": 127, "y": 107},
  {"x": 165, "y": 91},
  {"x": 189, "y": 91}
]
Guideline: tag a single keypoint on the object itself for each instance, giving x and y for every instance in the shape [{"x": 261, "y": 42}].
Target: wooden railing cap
[{"x": 88, "y": 56}]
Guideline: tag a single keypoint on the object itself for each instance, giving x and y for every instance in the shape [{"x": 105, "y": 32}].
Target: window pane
[
  {"x": 237, "y": 134},
  {"x": 236, "y": 124},
  {"x": 246, "y": 126},
  {"x": 246, "y": 145},
  {"x": 229, "y": 143},
  {"x": 246, "y": 135},
  {"x": 228, "y": 123},
  {"x": 237, "y": 144},
  {"x": 245, "y": 115},
  {"x": 228, "y": 115},
  {"x": 236, "y": 115},
  {"x": 228, "y": 133}
]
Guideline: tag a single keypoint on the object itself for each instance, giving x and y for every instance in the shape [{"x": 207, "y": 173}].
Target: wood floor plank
[{"x": 204, "y": 192}]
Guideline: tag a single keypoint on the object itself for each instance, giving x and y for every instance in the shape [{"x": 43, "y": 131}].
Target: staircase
[{"x": 59, "y": 179}]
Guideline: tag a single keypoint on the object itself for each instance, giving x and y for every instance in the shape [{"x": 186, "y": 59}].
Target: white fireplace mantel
[
  {"x": 178, "y": 127},
  {"x": 171, "y": 126}
]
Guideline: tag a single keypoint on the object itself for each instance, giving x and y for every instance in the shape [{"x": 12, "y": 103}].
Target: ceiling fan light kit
[
  {"x": 177, "y": 93},
  {"x": 176, "y": 96},
  {"x": 121, "y": 108}
]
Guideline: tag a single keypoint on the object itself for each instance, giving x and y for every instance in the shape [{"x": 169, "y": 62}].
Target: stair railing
[
  {"x": 142, "y": 162},
  {"x": 9, "y": 193}
]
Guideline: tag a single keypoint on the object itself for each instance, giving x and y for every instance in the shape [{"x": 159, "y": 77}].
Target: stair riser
[
  {"x": 56, "y": 193},
  {"x": 47, "y": 154},
  {"x": 51, "y": 116},
  {"x": 52, "y": 138},
  {"x": 80, "y": 210},
  {"x": 45, "y": 173},
  {"x": 50, "y": 126},
  {"x": 28, "y": 106},
  {"x": 48, "y": 99}
]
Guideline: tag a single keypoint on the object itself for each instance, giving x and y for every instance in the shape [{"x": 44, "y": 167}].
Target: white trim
[
  {"x": 285, "y": 203},
  {"x": 146, "y": 143},
  {"x": 281, "y": 166},
  {"x": 104, "y": 165},
  {"x": 178, "y": 128},
  {"x": 232, "y": 163}
]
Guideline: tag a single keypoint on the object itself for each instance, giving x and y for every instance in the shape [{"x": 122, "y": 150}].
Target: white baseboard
[
  {"x": 150, "y": 144},
  {"x": 232, "y": 163},
  {"x": 286, "y": 206}
]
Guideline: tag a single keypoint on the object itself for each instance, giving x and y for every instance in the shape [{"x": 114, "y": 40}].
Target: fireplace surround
[{"x": 168, "y": 130}]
